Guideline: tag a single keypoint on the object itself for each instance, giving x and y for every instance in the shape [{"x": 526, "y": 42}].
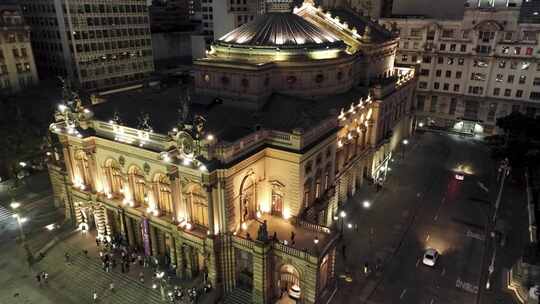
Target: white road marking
[
  {"x": 439, "y": 209},
  {"x": 477, "y": 236},
  {"x": 443, "y": 271},
  {"x": 481, "y": 185},
  {"x": 403, "y": 293}
]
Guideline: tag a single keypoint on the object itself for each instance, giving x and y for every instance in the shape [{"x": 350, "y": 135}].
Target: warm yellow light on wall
[
  {"x": 324, "y": 54},
  {"x": 286, "y": 213}
]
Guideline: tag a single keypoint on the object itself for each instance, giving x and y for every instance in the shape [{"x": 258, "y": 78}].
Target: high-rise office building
[
  {"x": 17, "y": 67},
  {"x": 99, "y": 45}
]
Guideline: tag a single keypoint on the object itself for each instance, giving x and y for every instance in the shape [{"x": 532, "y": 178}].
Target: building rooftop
[
  {"x": 284, "y": 30},
  {"x": 446, "y": 10},
  {"x": 530, "y": 12},
  {"x": 228, "y": 122}
]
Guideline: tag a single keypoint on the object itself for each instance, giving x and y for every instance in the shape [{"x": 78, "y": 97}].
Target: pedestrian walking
[
  {"x": 344, "y": 251},
  {"x": 122, "y": 267},
  {"x": 111, "y": 287},
  {"x": 140, "y": 259},
  {"x": 292, "y": 237},
  {"x": 85, "y": 252},
  {"x": 94, "y": 296},
  {"x": 98, "y": 242},
  {"x": 38, "y": 278},
  {"x": 45, "y": 277},
  {"x": 141, "y": 277}
]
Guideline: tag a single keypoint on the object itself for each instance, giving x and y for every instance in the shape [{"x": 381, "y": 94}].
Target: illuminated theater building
[{"x": 289, "y": 114}]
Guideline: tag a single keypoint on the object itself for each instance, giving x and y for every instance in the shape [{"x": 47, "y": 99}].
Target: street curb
[{"x": 43, "y": 250}]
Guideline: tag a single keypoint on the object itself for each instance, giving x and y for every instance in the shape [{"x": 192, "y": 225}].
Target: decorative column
[
  {"x": 68, "y": 161},
  {"x": 188, "y": 255},
  {"x": 92, "y": 167},
  {"x": 261, "y": 273},
  {"x": 175, "y": 195},
  {"x": 370, "y": 134},
  {"x": 123, "y": 225},
  {"x": 220, "y": 206},
  {"x": 153, "y": 239},
  {"x": 209, "y": 193},
  {"x": 172, "y": 249},
  {"x": 130, "y": 234},
  {"x": 179, "y": 259}
]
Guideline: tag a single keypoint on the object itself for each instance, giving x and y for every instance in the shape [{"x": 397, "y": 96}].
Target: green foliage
[{"x": 522, "y": 139}]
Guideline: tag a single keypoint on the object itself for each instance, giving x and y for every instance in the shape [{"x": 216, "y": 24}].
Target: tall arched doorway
[
  {"x": 288, "y": 278},
  {"x": 248, "y": 194}
]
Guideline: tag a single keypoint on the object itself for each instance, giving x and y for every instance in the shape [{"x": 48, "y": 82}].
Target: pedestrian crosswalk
[{"x": 6, "y": 215}]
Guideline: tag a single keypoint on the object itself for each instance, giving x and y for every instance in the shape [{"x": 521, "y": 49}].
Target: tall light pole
[
  {"x": 504, "y": 170},
  {"x": 342, "y": 215},
  {"x": 405, "y": 142}
]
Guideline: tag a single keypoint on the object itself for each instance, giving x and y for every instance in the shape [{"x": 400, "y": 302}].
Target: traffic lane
[
  {"x": 406, "y": 276},
  {"x": 451, "y": 242}
]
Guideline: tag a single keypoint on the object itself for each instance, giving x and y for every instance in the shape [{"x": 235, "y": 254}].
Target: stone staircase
[
  {"x": 83, "y": 275},
  {"x": 239, "y": 296}
]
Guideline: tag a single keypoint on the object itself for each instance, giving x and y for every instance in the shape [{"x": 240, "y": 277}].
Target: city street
[{"x": 423, "y": 205}]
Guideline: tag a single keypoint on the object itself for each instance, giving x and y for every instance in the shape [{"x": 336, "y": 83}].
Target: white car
[
  {"x": 294, "y": 292},
  {"x": 430, "y": 257}
]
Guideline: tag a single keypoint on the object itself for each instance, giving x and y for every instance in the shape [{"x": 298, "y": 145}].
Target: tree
[{"x": 522, "y": 138}]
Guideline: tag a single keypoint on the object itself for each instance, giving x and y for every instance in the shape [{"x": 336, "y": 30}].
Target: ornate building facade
[
  {"x": 243, "y": 179},
  {"x": 474, "y": 70}
]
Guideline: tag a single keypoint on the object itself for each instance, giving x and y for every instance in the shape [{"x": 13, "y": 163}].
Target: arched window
[
  {"x": 163, "y": 193},
  {"x": 197, "y": 204},
  {"x": 138, "y": 186},
  {"x": 248, "y": 202},
  {"x": 113, "y": 177},
  {"x": 82, "y": 168}
]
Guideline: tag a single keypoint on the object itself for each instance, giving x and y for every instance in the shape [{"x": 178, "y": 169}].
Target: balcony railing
[{"x": 296, "y": 140}]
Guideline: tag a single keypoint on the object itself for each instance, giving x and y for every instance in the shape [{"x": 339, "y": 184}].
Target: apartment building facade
[
  {"x": 99, "y": 45},
  {"x": 17, "y": 66},
  {"x": 474, "y": 70}
]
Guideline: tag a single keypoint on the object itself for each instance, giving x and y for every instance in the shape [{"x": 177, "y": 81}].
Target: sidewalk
[
  {"x": 376, "y": 239},
  {"x": 76, "y": 280}
]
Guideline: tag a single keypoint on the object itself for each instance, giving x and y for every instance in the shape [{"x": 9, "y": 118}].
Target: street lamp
[
  {"x": 504, "y": 170},
  {"x": 366, "y": 204},
  {"x": 20, "y": 221},
  {"x": 404, "y": 142},
  {"x": 342, "y": 215}
]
